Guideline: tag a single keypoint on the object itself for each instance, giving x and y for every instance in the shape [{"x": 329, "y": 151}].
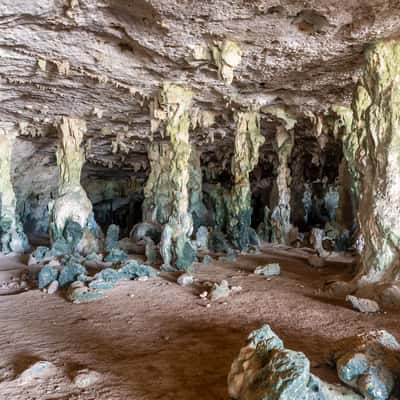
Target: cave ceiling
[{"x": 105, "y": 60}]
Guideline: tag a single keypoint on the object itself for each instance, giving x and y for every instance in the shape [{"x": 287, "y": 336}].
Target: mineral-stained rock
[
  {"x": 53, "y": 287},
  {"x": 185, "y": 279},
  {"x": 12, "y": 236},
  {"x": 72, "y": 203},
  {"x": 115, "y": 255},
  {"x": 265, "y": 370},
  {"x": 85, "y": 378},
  {"x": 219, "y": 291},
  {"x": 268, "y": 270},
  {"x": 370, "y": 363},
  {"x": 363, "y": 305},
  {"x": 248, "y": 140},
  {"x": 112, "y": 238},
  {"x": 151, "y": 251},
  {"x": 207, "y": 259},
  {"x": 202, "y": 238},
  {"x": 264, "y": 229},
  {"x": 79, "y": 293},
  {"x": 70, "y": 273},
  {"x": 145, "y": 229},
  {"x": 39, "y": 370},
  {"x": 134, "y": 270},
  {"x": 47, "y": 275},
  {"x": 217, "y": 242}
]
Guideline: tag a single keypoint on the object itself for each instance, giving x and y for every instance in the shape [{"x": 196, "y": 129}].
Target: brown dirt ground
[{"x": 156, "y": 340}]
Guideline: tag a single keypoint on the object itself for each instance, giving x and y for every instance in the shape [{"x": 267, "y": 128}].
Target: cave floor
[{"x": 157, "y": 340}]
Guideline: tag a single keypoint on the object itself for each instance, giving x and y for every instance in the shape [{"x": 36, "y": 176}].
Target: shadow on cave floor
[{"x": 157, "y": 340}]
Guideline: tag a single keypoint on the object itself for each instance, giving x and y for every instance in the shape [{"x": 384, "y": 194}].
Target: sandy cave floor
[{"x": 157, "y": 340}]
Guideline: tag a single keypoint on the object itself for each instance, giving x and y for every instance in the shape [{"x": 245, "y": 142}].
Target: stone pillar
[
  {"x": 12, "y": 236},
  {"x": 157, "y": 191},
  {"x": 376, "y": 124},
  {"x": 171, "y": 109},
  {"x": 280, "y": 218},
  {"x": 248, "y": 140},
  {"x": 72, "y": 208}
]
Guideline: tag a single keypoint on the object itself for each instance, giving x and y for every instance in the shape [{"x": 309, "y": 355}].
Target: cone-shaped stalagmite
[
  {"x": 248, "y": 140},
  {"x": 72, "y": 206},
  {"x": 12, "y": 237},
  {"x": 376, "y": 124},
  {"x": 280, "y": 219},
  {"x": 172, "y": 107}
]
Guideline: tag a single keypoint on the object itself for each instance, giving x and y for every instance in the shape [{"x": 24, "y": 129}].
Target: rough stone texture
[
  {"x": 376, "y": 124},
  {"x": 266, "y": 370},
  {"x": 370, "y": 363},
  {"x": 172, "y": 108},
  {"x": 268, "y": 270},
  {"x": 363, "y": 305},
  {"x": 248, "y": 140},
  {"x": 72, "y": 203},
  {"x": 12, "y": 236},
  {"x": 280, "y": 218}
]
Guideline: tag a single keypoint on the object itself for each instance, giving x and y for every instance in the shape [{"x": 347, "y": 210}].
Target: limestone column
[
  {"x": 248, "y": 140},
  {"x": 72, "y": 204},
  {"x": 157, "y": 191},
  {"x": 12, "y": 236},
  {"x": 280, "y": 218},
  {"x": 376, "y": 125},
  {"x": 172, "y": 110}
]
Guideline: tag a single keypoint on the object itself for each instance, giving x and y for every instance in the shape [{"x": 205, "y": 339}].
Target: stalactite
[
  {"x": 12, "y": 236},
  {"x": 172, "y": 108},
  {"x": 280, "y": 218},
  {"x": 72, "y": 204},
  {"x": 248, "y": 140}
]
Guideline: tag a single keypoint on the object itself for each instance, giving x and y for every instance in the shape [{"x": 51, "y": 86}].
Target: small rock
[
  {"x": 363, "y": 305},
  {"x": 47, "y": 275},
  {"x": 220, "y": 291},
  {"x": 268, "y": 270},
  {"x": 85, "y": 378},
  {"x": 204, "y": 294},
  {"x": 79, "y": 293},
  {"x": 53, "y": 287},
  {"x": 70, "y": 273},
  {"x": 185, "y": 279},
  {"x": 39, "y": 370}
]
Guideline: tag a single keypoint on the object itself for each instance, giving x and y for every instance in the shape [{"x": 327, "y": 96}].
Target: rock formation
[
  {"x": 376, "y": 125},
  {"x": 72, "y": 206},
  {"x": 12, "y": 236},
  {"x": 248, "y": 140}
]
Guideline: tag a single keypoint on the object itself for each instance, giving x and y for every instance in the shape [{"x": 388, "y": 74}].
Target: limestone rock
[
  {"x": 86, "y": 378},
  {"x": 39, "y": 370},
  {"x": 185, "y": 279},
  {"x": 363, "y": 305},
  {"x": 268, "y": 270},
  {"x": 70, "y": 273},
  {"x": 47, "y": 275},
  {"x": 219, "y": 291},
  {"x": 79, "y": 293},
  {"x": 112, "y": 238}
]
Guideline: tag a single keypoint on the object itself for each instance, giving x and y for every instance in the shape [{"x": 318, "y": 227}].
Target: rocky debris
[
  {"x": 70, "y": 273},
  {"x": 207, "y": 259},
  {"x": 13, "y": 281},
  {"x": 185, "y": 279},
  {"x": 86, "y": 378},
  {"x": 266, "y": 370},
  {"x": 221, "y": 290},
  {"x": 47, "y": 275},
  {"x": 53, "y": 287},
  {"x": 268, "y": 270},
  {"x": 39, "y": 370},
  {"x": 369, "y": 363},
  {"x": 78, "y": 293},
  {"x": 115, "y": 255},
  {"x": 363, "y": 305}
]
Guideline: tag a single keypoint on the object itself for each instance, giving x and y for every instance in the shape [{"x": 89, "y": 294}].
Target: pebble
[
  {"x": 85, "y": 378},
  {"x": 185, "y": 279},
  {"x": 363, "y": 305},
  {"x": 53, "y": 287}
]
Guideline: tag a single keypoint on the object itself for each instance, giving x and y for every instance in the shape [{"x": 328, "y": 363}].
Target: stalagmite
[
  {"x": 280, "y": 219},
  {"x": 376, "y": 109},
  {"x": 72, "y": 206},
  {"x": 172, "y": 108},
  {"x": 248, "y": 140},
  {"x": 12, "y": 236}
]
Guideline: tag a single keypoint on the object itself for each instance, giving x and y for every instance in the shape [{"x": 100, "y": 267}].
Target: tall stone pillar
[
  {"x": 280, "y": 218},
  {"x": 248, "y": 140},
  {"x": 171, "y": 109},
  {"x": 72, "y": 208},
  {"x": 12, "y": 236},
  {"x": 157, "y": 191},
  {"x": 376, "y": 125}
]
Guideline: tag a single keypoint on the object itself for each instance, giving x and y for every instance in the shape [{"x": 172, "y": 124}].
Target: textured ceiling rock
[{"x": 103, "y": 61}]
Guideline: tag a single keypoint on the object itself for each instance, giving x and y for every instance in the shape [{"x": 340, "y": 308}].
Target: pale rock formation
[
  {"x": 12, "y": 236},
  {"x": 72, "y": 203},
  {"x": 248, "y": 140}
]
